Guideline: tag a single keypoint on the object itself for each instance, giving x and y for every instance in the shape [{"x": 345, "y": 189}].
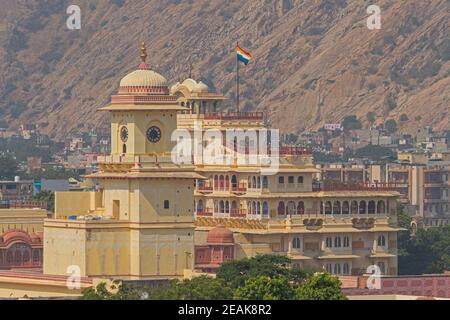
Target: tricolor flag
[{"x": 243, "y": 55}]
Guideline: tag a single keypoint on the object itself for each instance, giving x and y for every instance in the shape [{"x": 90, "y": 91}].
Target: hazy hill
[{"x": 315, "y": 61}]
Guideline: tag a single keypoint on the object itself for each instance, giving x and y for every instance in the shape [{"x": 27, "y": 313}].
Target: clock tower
[
  {"x": 144, "y": 114},
  {"x": 144, "y": 206}
]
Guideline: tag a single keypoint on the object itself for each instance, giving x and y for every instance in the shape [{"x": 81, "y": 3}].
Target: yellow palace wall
[
  {"x": 124, "y": 251},
  {"x": 29, "y": 220},
  {"x": 137, "y": 122}
]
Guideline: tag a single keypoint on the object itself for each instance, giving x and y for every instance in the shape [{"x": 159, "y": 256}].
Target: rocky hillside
[{"x": 315, "y": 61}]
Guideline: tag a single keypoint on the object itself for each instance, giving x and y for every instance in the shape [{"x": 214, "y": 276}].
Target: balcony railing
[
  {"x": 204, "y": 213},
  {"x": 357, "y": 187},
  {"x": 19, "y": 204},
  {"x": 238, "y": 213},
  {"x": 234, "y": 116},
  {"x": 239, "y": 189},
  {"x": 205, "y": 188}
]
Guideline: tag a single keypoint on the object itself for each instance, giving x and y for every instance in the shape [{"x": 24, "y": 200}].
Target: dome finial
[{"x": 143, "y": 51}]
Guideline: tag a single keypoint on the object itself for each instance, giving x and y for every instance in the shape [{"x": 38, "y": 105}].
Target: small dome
[
  {"x": 143, "y": 78},
  {"x": 220, "y": 234},
  {"x": 201, "y": 88},
  {"x": 190, "y": 84}
]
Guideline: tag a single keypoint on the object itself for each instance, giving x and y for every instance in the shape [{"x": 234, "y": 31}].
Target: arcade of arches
[{"x": 18, "y": 250}]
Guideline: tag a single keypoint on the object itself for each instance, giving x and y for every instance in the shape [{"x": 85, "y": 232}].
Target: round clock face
[
  {"x": 154, "y": 134},
  {"x": 124, "y": 134}
]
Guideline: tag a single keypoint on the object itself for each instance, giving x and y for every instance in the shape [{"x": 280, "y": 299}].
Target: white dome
[
  {"x": 147, "y": 78},
  {"x": 190, "y": 84},
  {"x": 201, "y": 88}
]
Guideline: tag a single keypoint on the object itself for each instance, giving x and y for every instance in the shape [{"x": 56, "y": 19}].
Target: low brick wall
[{"x": 427, "y": 286}]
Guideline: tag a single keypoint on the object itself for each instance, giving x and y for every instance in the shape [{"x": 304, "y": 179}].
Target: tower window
[{"x": 166, "y": 204}]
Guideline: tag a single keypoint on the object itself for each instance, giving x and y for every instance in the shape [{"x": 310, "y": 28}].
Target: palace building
[{"x": 154, "y": 218}]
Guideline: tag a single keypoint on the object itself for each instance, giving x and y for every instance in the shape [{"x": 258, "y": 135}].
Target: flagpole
[{"x": 237, "y": 79}]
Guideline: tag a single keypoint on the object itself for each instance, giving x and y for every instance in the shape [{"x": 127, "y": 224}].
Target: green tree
[
  {"x": 371, "y": 117},
  {"x": 48, "y": 197},
  {"x": 116, "y": 291},
  {"x": 237, "y": 272},
  {"x": 201, "y": 288},
  {"x": 351, "y": 123},
  {"x": 322, "y": 286},
  {"x": 391, "y": 126},
  {"x": 426, "y": 252},
  {"x": 265, "y": 288},
  {"x": 404, "y": 118},
  {"x": 391, "y": 102},
  {"x": 8, "y": 168},
  {"x": 265, "y": 277},
  {"x": 374, "y": 152}
]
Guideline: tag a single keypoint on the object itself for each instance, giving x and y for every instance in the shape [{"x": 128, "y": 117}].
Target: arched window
[
  {"x": 381, "y": 207},
  {"x": 247, "y": 145},
  {"x": 221, "y": 206},
  {"x": 291, "y": 208},
  {"x": 337, "y": 207},
  {"x": 254, "y": 182},
  {"x": 328, "y": 208},
  {"x": 301, "y": 208},
  {"x": 200, "y": 206},
  {"x": 124, "y": 148},
  {"x": 258, "y": 183},
  {"x": 346, "y": 242},
  {"x": 234, "y": 182},
  {"x": 18, "y": 258},
  {"x": 381, "y": 241},
  {"x": 36, "y": 256},
  {"x": 371, "y": 207},
  {"x": 281, "y": 208},
  {"x": 362, "y": 207},
  {"x": 382, "y": 266},
  {"x": 296, "y": 244},
  {"x": 26, "y": 256},
  {"x": 265, "y": 208},
  {"x": 337, "y": 269},
  {"x": 345, "y": 207},
  {"x": 216, "y": 182},
  {"x": 354, "y": 207},
  {"x": 227, "y": 183},
  {"x": 265, "y": 182},
  {"x": 346, "y": 269},
  {"x": 234, "y": 206},
  {"x": 337, "y": 242},
  {"x": 227, "y": 207},
  {"x": 204, "y": 105},
  {"x": 258, "y": 207},
  {"x": 329, "y": 242},
  {"x": 9, "y": 258},
  {"x": 254, "y": 207},
  {"x": 329, "y": 268},
  {"x": 221, "y": 183}
]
